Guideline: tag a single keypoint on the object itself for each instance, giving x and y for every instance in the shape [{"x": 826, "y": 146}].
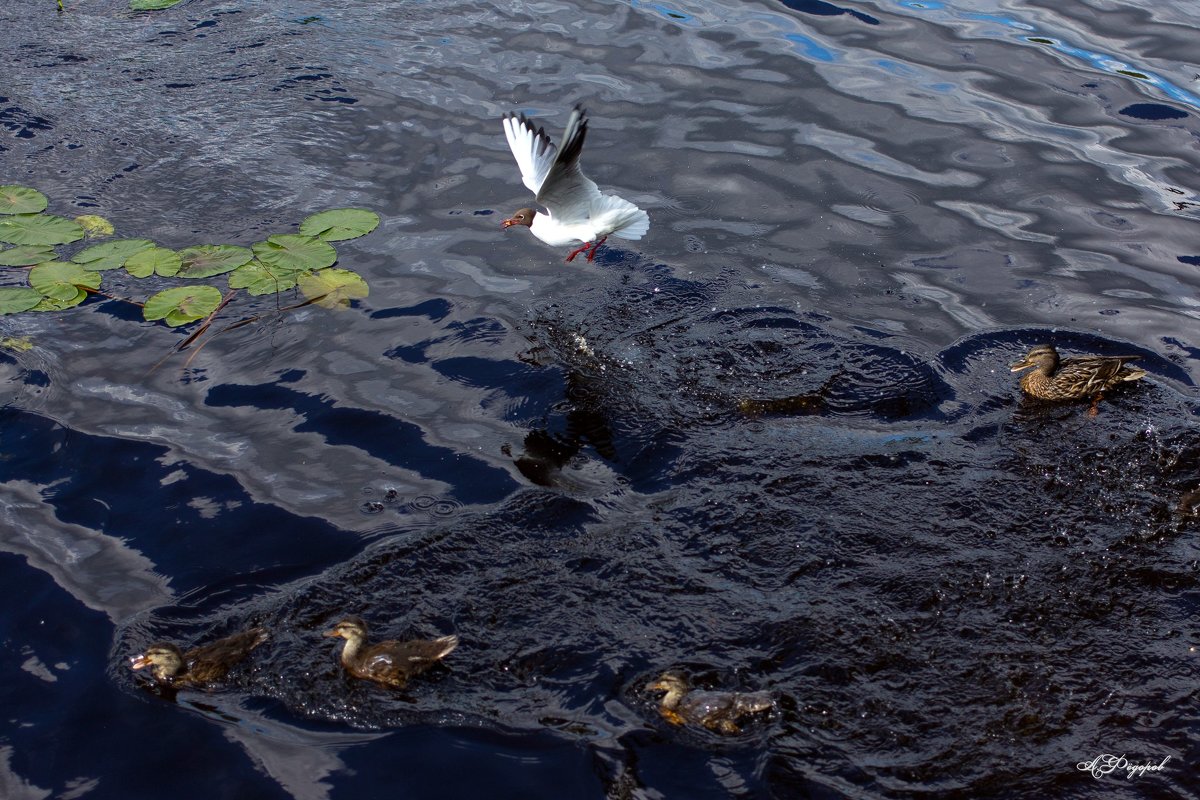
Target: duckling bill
[
  {"x": 1075, "y": 378},
  {"x": 206, "y": 664},
  {"x": 717, "y": 711},
  {"x": 389, "y": 663}
]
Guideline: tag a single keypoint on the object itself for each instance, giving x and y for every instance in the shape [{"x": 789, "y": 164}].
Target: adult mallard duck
[
  {"x": 718, "y": 711},
  {"x": 201, "y": 665},
  {"x": 1076, "y": 378},
  {"x": 390, "y": 663}
]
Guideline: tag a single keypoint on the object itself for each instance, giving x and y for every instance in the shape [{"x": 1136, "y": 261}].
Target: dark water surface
[{"x": 774, "y": 445}]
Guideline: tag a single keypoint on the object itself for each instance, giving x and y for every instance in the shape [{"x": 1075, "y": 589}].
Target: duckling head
[
  {"x": 349, "y": 628},
  {"x": 667, "y": 682},
  {"x": 1044, "y": 357},
  {"x": 674, "y": 684},
  {"x": 164, "y": 659}
]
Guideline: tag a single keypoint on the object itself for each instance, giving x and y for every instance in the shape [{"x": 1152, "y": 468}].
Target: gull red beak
[{"x": 508, "y": 223}]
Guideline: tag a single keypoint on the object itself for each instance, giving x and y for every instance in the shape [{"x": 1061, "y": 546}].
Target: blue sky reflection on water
[{"x": 1108, "y": 62}]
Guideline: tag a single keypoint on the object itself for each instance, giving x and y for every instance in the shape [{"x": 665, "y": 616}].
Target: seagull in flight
[{"x": 576, "y": 211}]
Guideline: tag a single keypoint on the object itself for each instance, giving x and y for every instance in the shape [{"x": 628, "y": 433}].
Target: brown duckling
[
  {"x": 717, "y": 711},
  {"x": 391, "y": 663},
  {"x": 200, "y": 665},
  {"x": 1076, "y": 378}
]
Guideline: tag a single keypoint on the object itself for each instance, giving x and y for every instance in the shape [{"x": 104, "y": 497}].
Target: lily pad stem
[
  {"x": 207, "y": 322},
  {"x": 113, "y": 296}
]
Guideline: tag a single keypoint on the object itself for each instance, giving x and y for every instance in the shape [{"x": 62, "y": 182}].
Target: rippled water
[{"x": 774, "y": 444}]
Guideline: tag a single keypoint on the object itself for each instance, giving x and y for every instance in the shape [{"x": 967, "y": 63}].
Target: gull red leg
[
  {"x": 595, "y": 247},
  {"x": 579, "y": 250}
]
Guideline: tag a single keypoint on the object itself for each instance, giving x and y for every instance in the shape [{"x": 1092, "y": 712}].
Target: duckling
[
  {"x": 717, "y": 711},
  {"x": 390, "y": 663},
  {"x": 1074, "y": 378},
  {"x": 200, "y": 665}
]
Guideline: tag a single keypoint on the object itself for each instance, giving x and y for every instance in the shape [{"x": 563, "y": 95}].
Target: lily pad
[
  {"x": 61, "y": 280},
  {"x": 183, "y": 304},
  {"x": 21, "y": 200},
  {"x": 152, "y": 5},
  {"x": 95, "y": 227},
  {"x": 333, "y": 287},
  {"x": 339, "y": 224},
  {"x": 59, "y": 303},
  {"x": 258, "y": 279},
  {"x": 292, "y": 251},
  {"x": 110, "y": 255},
  {"x": 207, "y": 260},
  {"x": 19, "y": 344},
  {"x": 38, "y": 229},
  {"x": 160, "y": 260},
  {"x": 15, "y": 299},
  {"x": 26, "y": 255}
]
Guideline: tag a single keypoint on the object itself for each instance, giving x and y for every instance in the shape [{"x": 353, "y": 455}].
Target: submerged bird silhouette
[{"x": 576, "y": 210}]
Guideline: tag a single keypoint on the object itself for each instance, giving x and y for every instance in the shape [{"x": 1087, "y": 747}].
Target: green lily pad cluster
[
  {"x": 152, "y": 5},
  {"x": 280, "y": 262},
  {"x": 142, "y": 5}
]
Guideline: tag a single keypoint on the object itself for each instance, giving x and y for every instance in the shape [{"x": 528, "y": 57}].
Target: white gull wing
[
  {"x": 552, "y": 173},
  {"x": 532, "y": 149},
  {"x": 568, "y": 195}
]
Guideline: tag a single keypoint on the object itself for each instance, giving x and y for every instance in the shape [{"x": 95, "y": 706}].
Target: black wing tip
[
  {"x": 543, "y": 141},
  {"x": 571, "y": 148},
  {"x": 519, "y": 116},
  {"x": 539, "y": 133},
  {"x": 583, "y": 115},
  {"x": 573, "y": 136}
]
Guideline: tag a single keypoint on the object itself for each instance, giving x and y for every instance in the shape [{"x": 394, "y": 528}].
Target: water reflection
[
  {"x": 301, "y": 761},
  {"x": 102, "y": 572}
]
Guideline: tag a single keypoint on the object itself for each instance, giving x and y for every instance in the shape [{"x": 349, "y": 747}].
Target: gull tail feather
[
  {"x": 626, "y": 220},
  {"x": 636, "y": 225}
]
